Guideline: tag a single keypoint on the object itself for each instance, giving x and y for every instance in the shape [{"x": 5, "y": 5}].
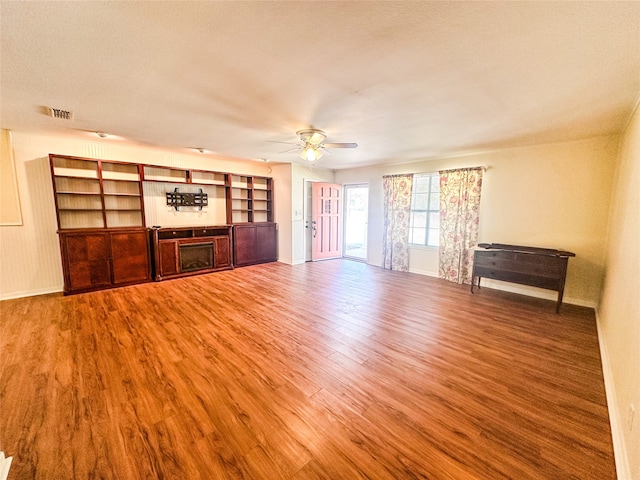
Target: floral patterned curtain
[
  {"x": 459, "y": 220},
  {"x": 397, "y": 211}
]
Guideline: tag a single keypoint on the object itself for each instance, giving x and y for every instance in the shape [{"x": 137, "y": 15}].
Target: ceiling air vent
[{"x": 59, "y": 113}]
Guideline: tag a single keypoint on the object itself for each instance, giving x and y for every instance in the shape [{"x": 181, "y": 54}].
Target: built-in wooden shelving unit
[
  {"x": 101, "y": 220},
  {"x": 249, "y": 199},
  {"x": 96, "y": 193}
]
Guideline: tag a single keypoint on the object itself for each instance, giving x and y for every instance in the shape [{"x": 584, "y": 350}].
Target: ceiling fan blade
[
  {"x": 290, "y": 150},
  {"x": 339, "y": 145},
  {"x": 316, "y": 138},
  {"x": 286, "y": 143}
]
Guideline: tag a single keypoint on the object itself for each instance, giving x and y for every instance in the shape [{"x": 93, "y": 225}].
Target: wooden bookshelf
[
  {"x": 249, "y": 199},
  {"x": 96, "y": 193},
  {"x": 100, "y": 213},
  {"x": 100, "y": 210}
]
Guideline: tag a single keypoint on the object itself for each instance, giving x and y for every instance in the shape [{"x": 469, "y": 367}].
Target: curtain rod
[{"x": 484, "y": 168}]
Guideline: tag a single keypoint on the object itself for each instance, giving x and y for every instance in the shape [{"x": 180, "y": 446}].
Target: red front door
[{"x": 326, "y": 222}]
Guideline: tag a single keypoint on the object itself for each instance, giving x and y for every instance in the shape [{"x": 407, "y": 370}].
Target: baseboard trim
[
  {"x": 29, "y": 293},
  {"x": 423, "y": 272},
  {"x": 5, "y": 464},
  {"x": 534, "y": 292},
  {"x": 619, "y": 447},
  {"x": 514, "y": 288}
]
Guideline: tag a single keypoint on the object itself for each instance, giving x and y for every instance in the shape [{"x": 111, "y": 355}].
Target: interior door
[{"x": 326, "y": 221}]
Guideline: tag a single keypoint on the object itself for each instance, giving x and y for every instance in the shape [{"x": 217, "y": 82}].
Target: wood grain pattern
[{"x": 331, "y": 370}]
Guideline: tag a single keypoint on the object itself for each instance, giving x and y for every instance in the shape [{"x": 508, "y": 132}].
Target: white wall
[
  {"x": 554, "y": 195},
  {"x": 282, "y": 211},
  {"x": 30, "y": 253},
  {"x": 300, "y": 173},
  {"x": 619, "y": 312},
  {"x": 158, "y": 213}
]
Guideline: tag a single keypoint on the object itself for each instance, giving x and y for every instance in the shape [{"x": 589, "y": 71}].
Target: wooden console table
[{"x": 536, "y": 267}]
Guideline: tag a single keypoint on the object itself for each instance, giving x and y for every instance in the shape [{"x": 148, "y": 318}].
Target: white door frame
[{"x": 306, "y": 213}]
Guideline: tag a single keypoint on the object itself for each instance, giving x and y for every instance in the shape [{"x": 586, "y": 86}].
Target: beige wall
[
  {"x": 10, "y": 213},
  {"x": 30, "y": 254},
  {"x": 300, "y": 174},
  {"x": 554, "y": 196},
  {"x": 282, "y": 211},
  {"x": 619, "y": 312}
]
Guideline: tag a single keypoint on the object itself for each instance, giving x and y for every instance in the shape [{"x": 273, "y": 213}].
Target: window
[{"x": 424, "y": 228}]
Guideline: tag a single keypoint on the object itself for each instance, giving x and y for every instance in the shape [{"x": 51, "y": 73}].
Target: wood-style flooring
[{"x": 330, "y": 370}]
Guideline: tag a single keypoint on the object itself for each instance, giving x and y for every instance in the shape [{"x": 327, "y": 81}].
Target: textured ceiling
[{"x": 405, "y": 80}]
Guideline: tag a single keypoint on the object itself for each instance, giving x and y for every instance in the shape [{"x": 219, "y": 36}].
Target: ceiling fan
[{"x": 312, "y": 145}]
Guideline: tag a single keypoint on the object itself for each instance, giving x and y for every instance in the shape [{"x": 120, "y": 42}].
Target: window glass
[
  {"x": 425, "y": 210},
  {"x": 434, "y": 237}
]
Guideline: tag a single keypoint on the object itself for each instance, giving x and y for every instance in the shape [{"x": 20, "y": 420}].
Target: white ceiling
[{"x": 405, "y": 80}]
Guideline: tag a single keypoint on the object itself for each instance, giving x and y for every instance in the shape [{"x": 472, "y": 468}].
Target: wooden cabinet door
[
  {"x": 168, "y": 256},
  {"x": 86, "y": 260},
  {"x": 244, "y": 244},
  {"x": 221, "y": 252},
  {"x": 130, "y": 256},
  {"x": 254, "y": 243},
  {"x": 266, "y": 243}
]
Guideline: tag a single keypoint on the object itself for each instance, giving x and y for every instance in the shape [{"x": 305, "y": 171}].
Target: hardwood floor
[{"x": 332, "y": 370}]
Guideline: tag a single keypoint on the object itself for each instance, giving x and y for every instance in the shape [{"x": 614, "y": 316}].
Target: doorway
[
  {"x": 356, "y": 203},
  {"x": 323, "y": 220}
]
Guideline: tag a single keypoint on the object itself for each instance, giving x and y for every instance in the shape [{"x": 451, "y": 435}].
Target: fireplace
[
  {"x": 196, "y": 256},
  {"x": 183, "y": 251}
]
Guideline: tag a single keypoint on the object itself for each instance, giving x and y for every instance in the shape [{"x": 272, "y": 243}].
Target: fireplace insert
[{"x": 196, "y": 256}]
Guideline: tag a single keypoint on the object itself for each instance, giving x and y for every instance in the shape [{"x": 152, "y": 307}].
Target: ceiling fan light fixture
[{"x": 310, "y": 153}]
